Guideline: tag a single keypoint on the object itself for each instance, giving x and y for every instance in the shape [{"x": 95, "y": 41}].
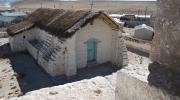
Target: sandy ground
[
  {"x": 9, "y": 86},
  {"x": 138, "y": 66},
  {"x": 98, "y": 88},
  {"x": 32, "y": 76}
]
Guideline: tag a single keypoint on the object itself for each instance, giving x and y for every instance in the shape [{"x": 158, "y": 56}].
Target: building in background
[{"x": 144, "y": 32}]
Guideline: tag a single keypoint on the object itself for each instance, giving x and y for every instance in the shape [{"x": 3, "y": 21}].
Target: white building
[
  {"x": 63, "y": 41},
  {"x": 144, "y": 32}
]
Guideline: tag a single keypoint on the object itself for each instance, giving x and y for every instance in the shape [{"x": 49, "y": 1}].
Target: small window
[{"x": 24, "y": 37}]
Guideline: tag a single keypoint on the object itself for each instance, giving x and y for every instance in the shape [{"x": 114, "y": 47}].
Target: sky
[
  {"x": 109, "y": 0},
  {"x": 81, "y": 0}
]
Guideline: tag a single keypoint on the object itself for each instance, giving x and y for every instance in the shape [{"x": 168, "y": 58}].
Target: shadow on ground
[
  {"x": 87, "y": 73},
  {"x": 31, "y": 76},
  {"x": 138, "y": 52}
]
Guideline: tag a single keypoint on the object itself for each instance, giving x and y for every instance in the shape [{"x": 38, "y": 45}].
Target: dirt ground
[
  {"x": 9, "y": 86},
  {"x": 137, "y": 67}
]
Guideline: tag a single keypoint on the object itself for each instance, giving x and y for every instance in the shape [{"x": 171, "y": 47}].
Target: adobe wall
[
  {"x": 109, "y": 45},
  {"x": 102, "y": 34}
]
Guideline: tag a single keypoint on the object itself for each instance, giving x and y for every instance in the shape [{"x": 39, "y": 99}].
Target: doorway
[{"x": 91, "y": 51}]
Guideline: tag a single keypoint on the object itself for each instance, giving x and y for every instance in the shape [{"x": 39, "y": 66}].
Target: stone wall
[
  {"x": 165, "y": 71},
  {"x": 165, "y": 47},
  {"x": 130, "y": 88}
]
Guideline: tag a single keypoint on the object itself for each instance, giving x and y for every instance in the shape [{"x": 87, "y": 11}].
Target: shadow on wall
[
  {"x": 144, "y": 54},
  {"x": 130, "y": 88},
  {"x": 5, "y": 51},
  {"x": 164, "y": 78},
  {"x": 31, "y": 76}
]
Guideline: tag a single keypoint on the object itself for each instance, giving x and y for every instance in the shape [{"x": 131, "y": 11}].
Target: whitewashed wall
[
  {"x": 54, "y": 67},
  {"x": 71, "y": 67},
  {"x": 58, "y": 64},
  {"x": 17, "y": 42},
  {"x": 102, "y": 33}
]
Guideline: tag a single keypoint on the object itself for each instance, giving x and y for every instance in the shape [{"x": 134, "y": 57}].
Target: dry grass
[{"x": 141, "y": 45}]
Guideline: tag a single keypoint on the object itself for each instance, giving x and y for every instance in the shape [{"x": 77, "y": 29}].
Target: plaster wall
[
  {"x": 18, "y": 42},
  {"x": 105, "y": 38}
]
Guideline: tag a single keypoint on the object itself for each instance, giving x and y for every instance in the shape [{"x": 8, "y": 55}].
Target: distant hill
[{"x": 116, "y": 6}]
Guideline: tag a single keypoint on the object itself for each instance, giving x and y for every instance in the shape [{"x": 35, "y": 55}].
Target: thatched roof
[
  {"x": 59, "y": 22},
  {"x": 20, "y": 27}
]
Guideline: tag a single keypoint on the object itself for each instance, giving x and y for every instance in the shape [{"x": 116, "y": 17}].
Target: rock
[
  {"x": 98, "y": 91},
  {"x": 14, "y": 87},
  {"x": 131, "y": 88},
  {"x": 53, "y": 92}
]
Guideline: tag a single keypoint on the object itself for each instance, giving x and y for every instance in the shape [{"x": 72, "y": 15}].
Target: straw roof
[
  {"x": 20, "y": 27},
  {"x": 59, "y": 22}
]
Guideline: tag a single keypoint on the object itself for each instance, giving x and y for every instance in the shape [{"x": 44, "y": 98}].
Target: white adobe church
[{"x": 63, "y": 41}]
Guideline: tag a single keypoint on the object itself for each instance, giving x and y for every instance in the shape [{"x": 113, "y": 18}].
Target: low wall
[
  {"x": 129, "y": 88},
  {"x": 3, "y": 35},
  {"x": 141, "y": 45}
]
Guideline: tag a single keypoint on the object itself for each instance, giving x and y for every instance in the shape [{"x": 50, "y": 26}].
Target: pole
[
  {"x": 41, "y": 4},
  {"x": 54, "y": 4},
  {"x": 92, "y": 3},
  {"x": 59, "y": 3},
  {"x": 145, "y": 12}
]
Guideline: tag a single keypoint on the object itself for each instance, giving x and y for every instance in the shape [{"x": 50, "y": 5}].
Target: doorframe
[
  {"x": 96, "y": 41},
  {"x": 94, "y": 58}
]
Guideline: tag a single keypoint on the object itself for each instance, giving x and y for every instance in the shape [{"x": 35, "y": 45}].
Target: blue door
[{"x": 91, "y": 51}]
